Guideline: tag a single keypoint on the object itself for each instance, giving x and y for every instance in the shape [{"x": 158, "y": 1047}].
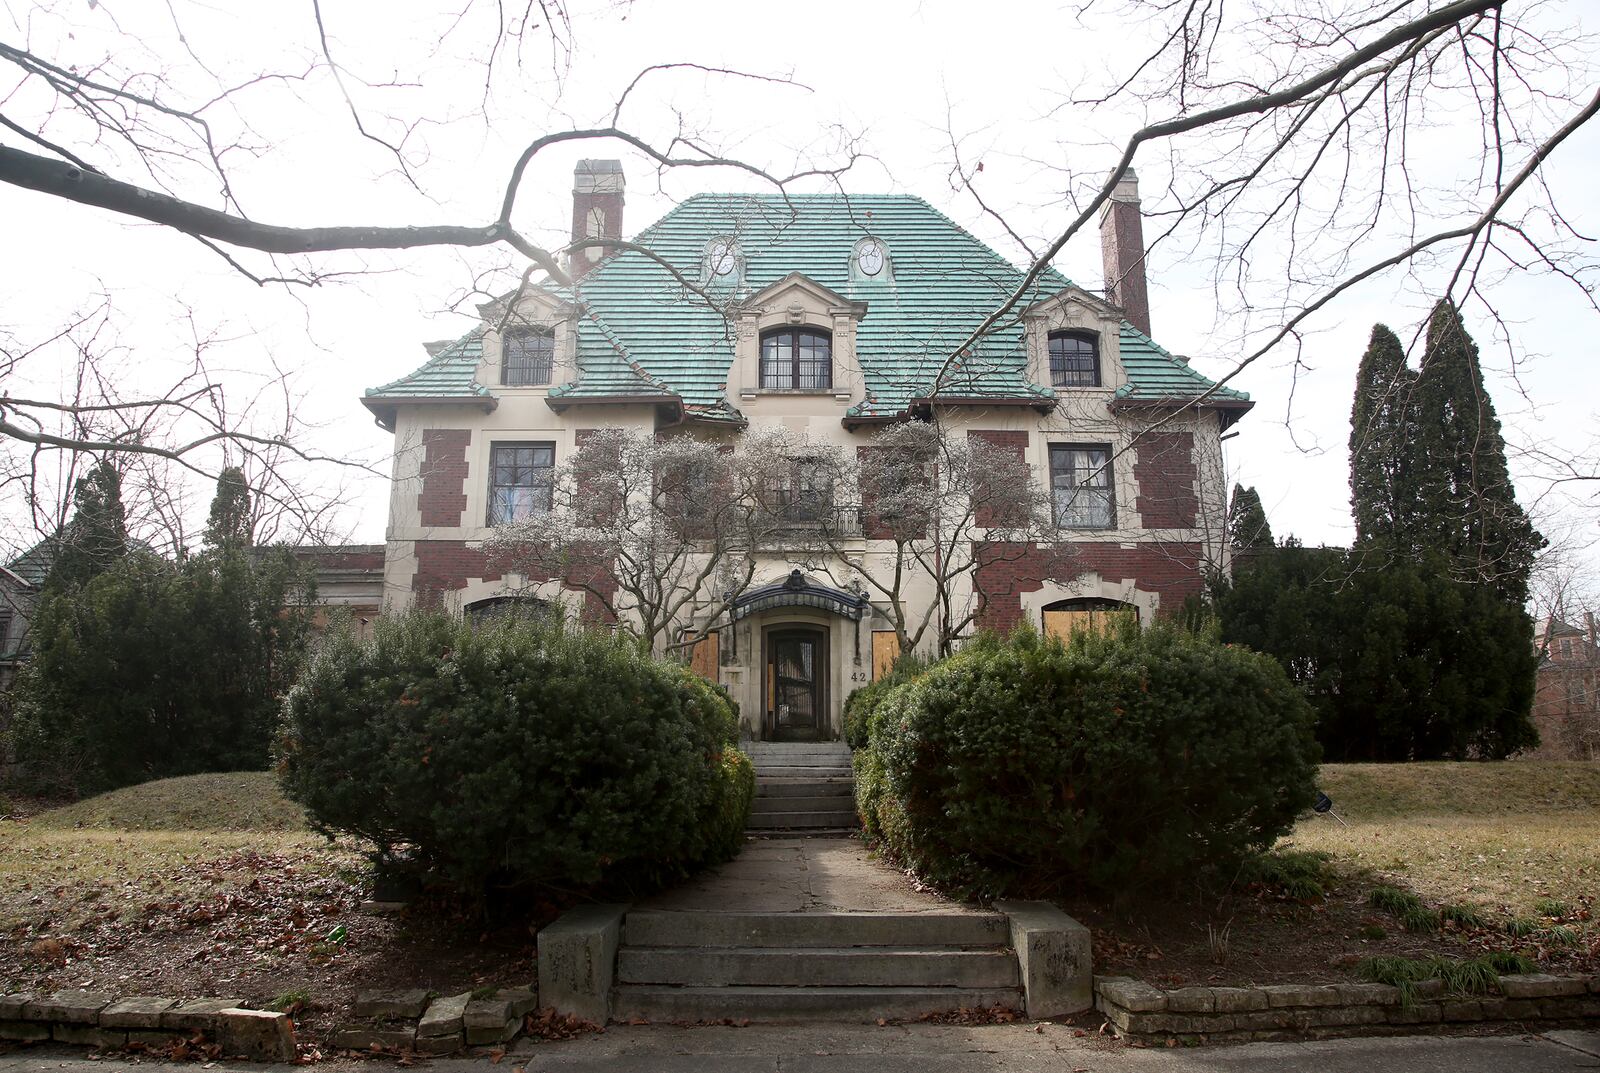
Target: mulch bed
[
  {"x": 1270, "y": 940},
  {"x": 279, "y": 925}
]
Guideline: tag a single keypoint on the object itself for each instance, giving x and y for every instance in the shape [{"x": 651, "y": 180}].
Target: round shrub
[
  {"x": 1022, "y": 766},
  {"x": 515, "y": 754}
]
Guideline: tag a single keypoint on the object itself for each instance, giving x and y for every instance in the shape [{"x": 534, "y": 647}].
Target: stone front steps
[
  {"x": 804, "y": 787},
  {"x": 838, "y": 966}
]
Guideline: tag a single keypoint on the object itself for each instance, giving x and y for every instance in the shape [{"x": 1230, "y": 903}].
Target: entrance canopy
[{"x": 799, "y": 591}]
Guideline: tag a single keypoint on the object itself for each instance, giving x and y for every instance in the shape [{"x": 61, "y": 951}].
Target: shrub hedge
[
  {"x": 1019, "y": 766},
  {"x": 516, "y": 754}
]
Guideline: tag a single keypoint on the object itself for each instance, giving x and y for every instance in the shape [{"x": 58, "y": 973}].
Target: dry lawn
[{"x": 1502, "y": 836}]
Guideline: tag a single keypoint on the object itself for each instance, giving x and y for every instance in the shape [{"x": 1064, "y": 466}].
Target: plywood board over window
[
  {"x": 703, "y": 660},
  {"x": 1070, "y": 617},
  {"x": 885, "y": 650}
]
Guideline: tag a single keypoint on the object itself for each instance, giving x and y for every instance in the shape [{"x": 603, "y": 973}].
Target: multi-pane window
[
  {"x": 1074, "y": 360},
  {"x": 797, "y": 358},
  {"x": 1081, "y": 486},
  {"x": 804, "y": 496},
  {"x": 527, "y": 357},
  {"x": 521, "y": 479}
]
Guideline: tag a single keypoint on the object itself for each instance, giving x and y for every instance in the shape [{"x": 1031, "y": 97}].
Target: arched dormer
[
  {"x": 529, "y": 342},
  {"x": 1073, "y": 341},
  {"x": 796, "y": 336}
]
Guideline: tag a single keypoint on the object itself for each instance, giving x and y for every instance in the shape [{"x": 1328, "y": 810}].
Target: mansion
[{"x": 830, "y": 317}]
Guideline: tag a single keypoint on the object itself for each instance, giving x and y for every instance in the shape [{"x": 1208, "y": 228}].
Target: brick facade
[
  {"x": 1015, "y": 443},
  {"x": 1170, "y": 569},
  {"x": 1165, "y": 469},
  {"x": 443, "y": 499},
  {"x": 446, "y": 566}
]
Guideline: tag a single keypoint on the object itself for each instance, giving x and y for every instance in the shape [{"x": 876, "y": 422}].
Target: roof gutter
[
  {"x": 674, "y": 404},
  {"x": 1231, "y": 409},
  {"x": 386, "y": 407}
]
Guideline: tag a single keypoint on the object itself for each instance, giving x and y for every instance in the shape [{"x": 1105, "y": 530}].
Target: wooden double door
[{"x": 796, "y": 673}]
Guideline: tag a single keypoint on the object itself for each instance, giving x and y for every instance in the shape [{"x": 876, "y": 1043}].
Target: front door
[{"x": 794, "y": 685}]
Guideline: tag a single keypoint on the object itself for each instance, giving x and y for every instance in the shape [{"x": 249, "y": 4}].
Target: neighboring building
[
  {"x": 349, "y": 579},
  {"x": 830, "y": 316},
  {"x": 20, "y": 582},
  {"x": 1566, "y": 704}
]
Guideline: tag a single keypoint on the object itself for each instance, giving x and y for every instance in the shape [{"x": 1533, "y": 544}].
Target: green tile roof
[
  {"x": 640, "y": 332},
  {"x": 1153, "y": 373},
  {"x": 448, "y": 373}
]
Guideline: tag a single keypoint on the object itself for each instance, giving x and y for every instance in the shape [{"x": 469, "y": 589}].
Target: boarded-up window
[
  {"x": 1071, "y": 617},
  {"x": 703, "y": 661},
  {"x": 885, "y": 650}
]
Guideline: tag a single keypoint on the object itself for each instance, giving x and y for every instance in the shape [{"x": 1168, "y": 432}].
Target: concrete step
[
  {"x": 771, "y": 788},
  {"x": 762, "y": 762},
  {"x": 770, "y": 1004},
  {"x": 796, "y": 820},
  {"x": 864, "y": 966},
  {"x": 790, "y": 771},
  {"x": 648, "y": 927},
  {"x": 766, "y": 806}
]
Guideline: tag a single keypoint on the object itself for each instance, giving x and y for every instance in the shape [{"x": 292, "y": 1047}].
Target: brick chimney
[
  {"x": 596, "y": 210},
  {"x": 1122, "y": 251}
]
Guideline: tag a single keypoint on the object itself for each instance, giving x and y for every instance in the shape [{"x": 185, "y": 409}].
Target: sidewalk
[{"x": 939, "y": 1049}]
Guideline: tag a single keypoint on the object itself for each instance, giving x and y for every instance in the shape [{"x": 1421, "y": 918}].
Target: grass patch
[
  {"x": 231, "y": 801},
  {"x": 1300, "y": 875},
  {"x": 119, "y": 851},
  {"x": 1551, "y": 907},
  {"x": 1367, "y": 792},
  {"x": 1559, "y": 935},
  {"x": 291, "y": 1002},
  {"x": 1521, "y": 927},
  {"x": 1463, "y": 916},
  {"x": 1461, "y": 976},
  {"x": 1407, "y": 907},
  {"x": 1495, "y": 857}
]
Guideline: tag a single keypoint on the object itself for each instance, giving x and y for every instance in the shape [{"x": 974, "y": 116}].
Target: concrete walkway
[
  {"x": 800, "y": 875},
  {"x": 937, "y": 1049}
]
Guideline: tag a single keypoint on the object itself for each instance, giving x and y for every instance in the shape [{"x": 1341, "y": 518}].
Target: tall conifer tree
[
  {"x": 97, "y": 536},
  {"x": 1248, "y": 528},
  {"x": 1382, "y": 436},
  {"x": 1466, "y": 505},
  {"x": 229, "y": 523}
]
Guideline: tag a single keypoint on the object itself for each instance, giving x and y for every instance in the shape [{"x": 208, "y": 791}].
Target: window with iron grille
[
  {"x": 796, "y": 359},
  {"x": 804, "y": 497},
  {"x": 1074, "y": 359},
  {"x": 528, "y": 355},
  {"x": 521, "y": 479},
  {"x": 1081, "y": 486}
]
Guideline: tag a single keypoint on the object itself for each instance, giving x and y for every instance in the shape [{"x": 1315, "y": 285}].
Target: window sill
[{"x": 795, "y": 392}]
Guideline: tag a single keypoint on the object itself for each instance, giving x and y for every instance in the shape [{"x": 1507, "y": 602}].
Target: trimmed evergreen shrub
[
  {"x": 1020, "y": 766},
  {"x": 860, "y": 705},
  {"x": 515, "y": 754}
]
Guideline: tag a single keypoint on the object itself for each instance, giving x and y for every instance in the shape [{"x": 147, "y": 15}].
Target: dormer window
[
  {"x": 722, "y": 260},
  {"x": 1074, "y": 359},
  {"x": 527, "y": 357},
  {"x": 871, "y": 258},
  {"x": 796, "y": 359}
]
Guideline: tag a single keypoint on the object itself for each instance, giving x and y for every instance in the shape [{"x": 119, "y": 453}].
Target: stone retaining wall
[
  {"x": 95, "y": 1019},
  {"x": 1138, "y": 1009}
]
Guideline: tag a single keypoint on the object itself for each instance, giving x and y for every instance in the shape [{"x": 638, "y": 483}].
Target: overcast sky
[{"x": 901, "y": 76}]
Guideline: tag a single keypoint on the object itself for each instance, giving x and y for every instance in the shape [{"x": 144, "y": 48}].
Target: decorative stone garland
[
  {"x": 1138, "y": 1009},
  {"x": 94, "y": 1019}
]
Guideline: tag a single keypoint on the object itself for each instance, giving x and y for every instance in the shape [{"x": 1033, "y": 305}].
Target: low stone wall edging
[
  {"x": 1139, "y": 1009},
  {"x": 96, "y": 1019}
]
